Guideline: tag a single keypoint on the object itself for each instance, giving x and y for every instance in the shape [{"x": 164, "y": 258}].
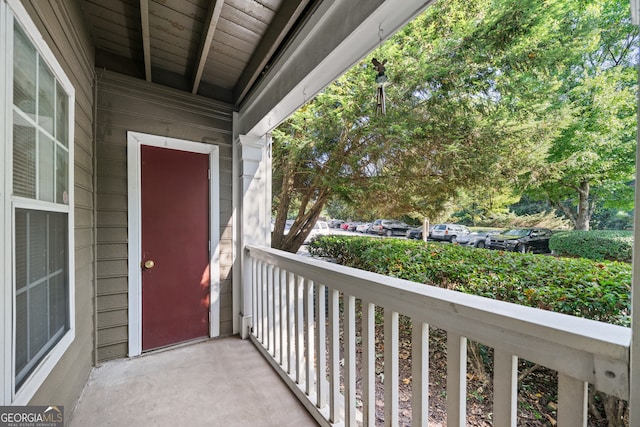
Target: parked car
[
  {"x": 335, "y": 223},
  {"x": 416, "y": 233},
  {"x": 353, "y": 226},
  {"x": 389, "y": 227},
  {"x": 319, "y": 228},
  {"x": 344, "y": 226},
  {"x": 363, "y": 228},
  {"x": 476, "y": 239},
  {"x": 448, "y": 232},
  {"x": 521, "y": 240}
]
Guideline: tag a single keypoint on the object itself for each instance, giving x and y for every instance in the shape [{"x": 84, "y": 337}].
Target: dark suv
[
  {"x": 388, "y": 227},
  {"x": 521, "y": 240}
]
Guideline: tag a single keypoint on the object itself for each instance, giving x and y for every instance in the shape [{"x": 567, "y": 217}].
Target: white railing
[{"x": 300, "y": 335}]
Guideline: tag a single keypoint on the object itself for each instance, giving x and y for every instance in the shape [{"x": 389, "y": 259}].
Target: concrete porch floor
[{"x": 221, "y": 382}]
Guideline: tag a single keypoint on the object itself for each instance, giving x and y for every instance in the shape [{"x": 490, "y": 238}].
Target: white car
[
  {"x": 448, "y": 232},
  {"x": 363, "y": 228},
  {"x": 320, "y": 228}
]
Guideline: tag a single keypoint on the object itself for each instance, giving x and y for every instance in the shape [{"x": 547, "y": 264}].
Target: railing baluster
[
  {"x": 505, "y": 388},
  {"x": 321, "y": 346},
  {"x": 270, "y": 317},
  {"x": 572, "y": 401},
  {"x": 456, "y": 380},
  {"x": 299, "y": 292},
  {"x": 350, "y": 360},
  {"x": 368, "y": 364},
  {"x": 419, "y": 374},
  {"x": 264, "y": 288},
  {"x": 283, "y": 319},
  {"x": 334, "y": 356},
  {"x": 390, "y": 368},
  {"x": 291, "y": 319},
  {"x": 277, "y": 331},
  {"x": 309, "y": 341},
  {"x": 257, "y": 286}
]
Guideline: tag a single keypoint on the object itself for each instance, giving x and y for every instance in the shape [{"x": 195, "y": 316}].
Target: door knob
[{"x": 148, "y": 264}]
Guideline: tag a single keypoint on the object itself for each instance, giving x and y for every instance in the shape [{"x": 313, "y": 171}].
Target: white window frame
[
  {"x": 135, "y": 140},
  {"x": 10, "y": 10}
]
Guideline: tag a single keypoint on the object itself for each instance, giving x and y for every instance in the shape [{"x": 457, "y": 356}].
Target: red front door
[{"x": 175, "y": 246}]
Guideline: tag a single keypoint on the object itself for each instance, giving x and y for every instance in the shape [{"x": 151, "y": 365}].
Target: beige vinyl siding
[
  {"x": 61, "y": 25},
  {"x": 126, "y": 104}
]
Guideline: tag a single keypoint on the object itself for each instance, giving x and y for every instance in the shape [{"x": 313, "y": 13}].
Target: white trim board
[{"x": 134, "y": 141}]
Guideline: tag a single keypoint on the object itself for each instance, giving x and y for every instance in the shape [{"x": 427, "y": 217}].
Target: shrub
[
  {"x": 575, "y": 286},
  {"x": 599, "y": 245}
]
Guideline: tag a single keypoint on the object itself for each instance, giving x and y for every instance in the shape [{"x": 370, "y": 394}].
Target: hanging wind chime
[{"x": 381, "y": 79}]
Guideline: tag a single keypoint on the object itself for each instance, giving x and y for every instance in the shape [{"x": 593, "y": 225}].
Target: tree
[
  {"x": 485, "y": 97},
  {"x": 591, "y": 162}
]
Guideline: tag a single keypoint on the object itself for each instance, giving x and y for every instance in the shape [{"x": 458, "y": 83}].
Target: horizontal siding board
[
  {"x": 113, "y": 335},
  {"x": 112, "y": 219},
  {"x": 112, "y": 202},
  {"x": 83, "y": 198},
  {"x": 126, "y": 112},
  {"x": 83, "y": 217},
  {"x": 111, "y": 151},
  {"x": 112, "y": 285},
  {"x": 113, "y": 318},
  {"x": 112, "y": 235},
  {"x": 112, "y": 184},
  {"x": 84, "y": 237},
  {"x": 112, "y": 251},
  {"x": 113, "y": 351},
  {"x": 111, "y": 268},
  {"x": 111, "y": 301}
]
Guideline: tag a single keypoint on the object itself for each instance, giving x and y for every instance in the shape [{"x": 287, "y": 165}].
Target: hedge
[
  {"x": 575, "y": 286},
  {"x": 599, "y": 245}
]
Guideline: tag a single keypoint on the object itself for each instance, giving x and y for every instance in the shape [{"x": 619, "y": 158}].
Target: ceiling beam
[
  {"x": 146, "y": 37},
  {"x": 282, "y": 23},
  {"x": 205, "y": 45}
]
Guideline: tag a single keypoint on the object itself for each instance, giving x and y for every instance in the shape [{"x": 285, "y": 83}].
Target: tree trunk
[{"x": 583, "y": 216}]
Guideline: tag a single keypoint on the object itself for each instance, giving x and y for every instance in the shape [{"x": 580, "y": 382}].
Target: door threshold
[{"x": 175, "y": 346}]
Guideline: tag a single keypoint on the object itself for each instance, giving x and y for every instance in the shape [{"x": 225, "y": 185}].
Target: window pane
[
  {"x": 57, "y": 243},
  {"x": 45, "y": 171},
  {"x": 22, "y": 349},
  {"x": 58, "y": 296},
  {"x": 38, "y": 314},
  {"x": 58, "y": 302},
  {"x": 24, "y": 72},
  {"x": 24, "y": 158},
  {"x": 46, "y": 97},
  {"x": 37, "y": 248},
  {"x": 21, "y": 249},
  {"x": 62, "y": 195},
  {"x": 42, "y": 311},
  {"x": 62, "y": 116}
]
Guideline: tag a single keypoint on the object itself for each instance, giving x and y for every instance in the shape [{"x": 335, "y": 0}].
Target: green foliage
[
  {"x": 579, "y": 287},
  {"x": 597, "y": 245}
]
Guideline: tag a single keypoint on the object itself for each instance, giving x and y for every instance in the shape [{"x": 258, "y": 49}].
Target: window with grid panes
[{"x": 39, "y": 206}]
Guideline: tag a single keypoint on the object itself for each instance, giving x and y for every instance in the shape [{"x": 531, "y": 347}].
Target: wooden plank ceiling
[{"x": 215, "y": 48}]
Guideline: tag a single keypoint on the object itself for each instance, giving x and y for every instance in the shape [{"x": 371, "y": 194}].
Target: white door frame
[{"x": 134, "y": 142}]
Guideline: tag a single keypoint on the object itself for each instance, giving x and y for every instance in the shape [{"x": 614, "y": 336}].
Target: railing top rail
[{"x": 589, "y": 350}]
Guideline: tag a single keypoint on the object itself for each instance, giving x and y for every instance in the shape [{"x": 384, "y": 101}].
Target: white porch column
[
  {"x": 252, "y": 206},
  {"x": 634, "y": 374}
]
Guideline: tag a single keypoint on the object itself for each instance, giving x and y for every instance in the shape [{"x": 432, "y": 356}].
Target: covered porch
[{"x": 222, "y": 382}]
